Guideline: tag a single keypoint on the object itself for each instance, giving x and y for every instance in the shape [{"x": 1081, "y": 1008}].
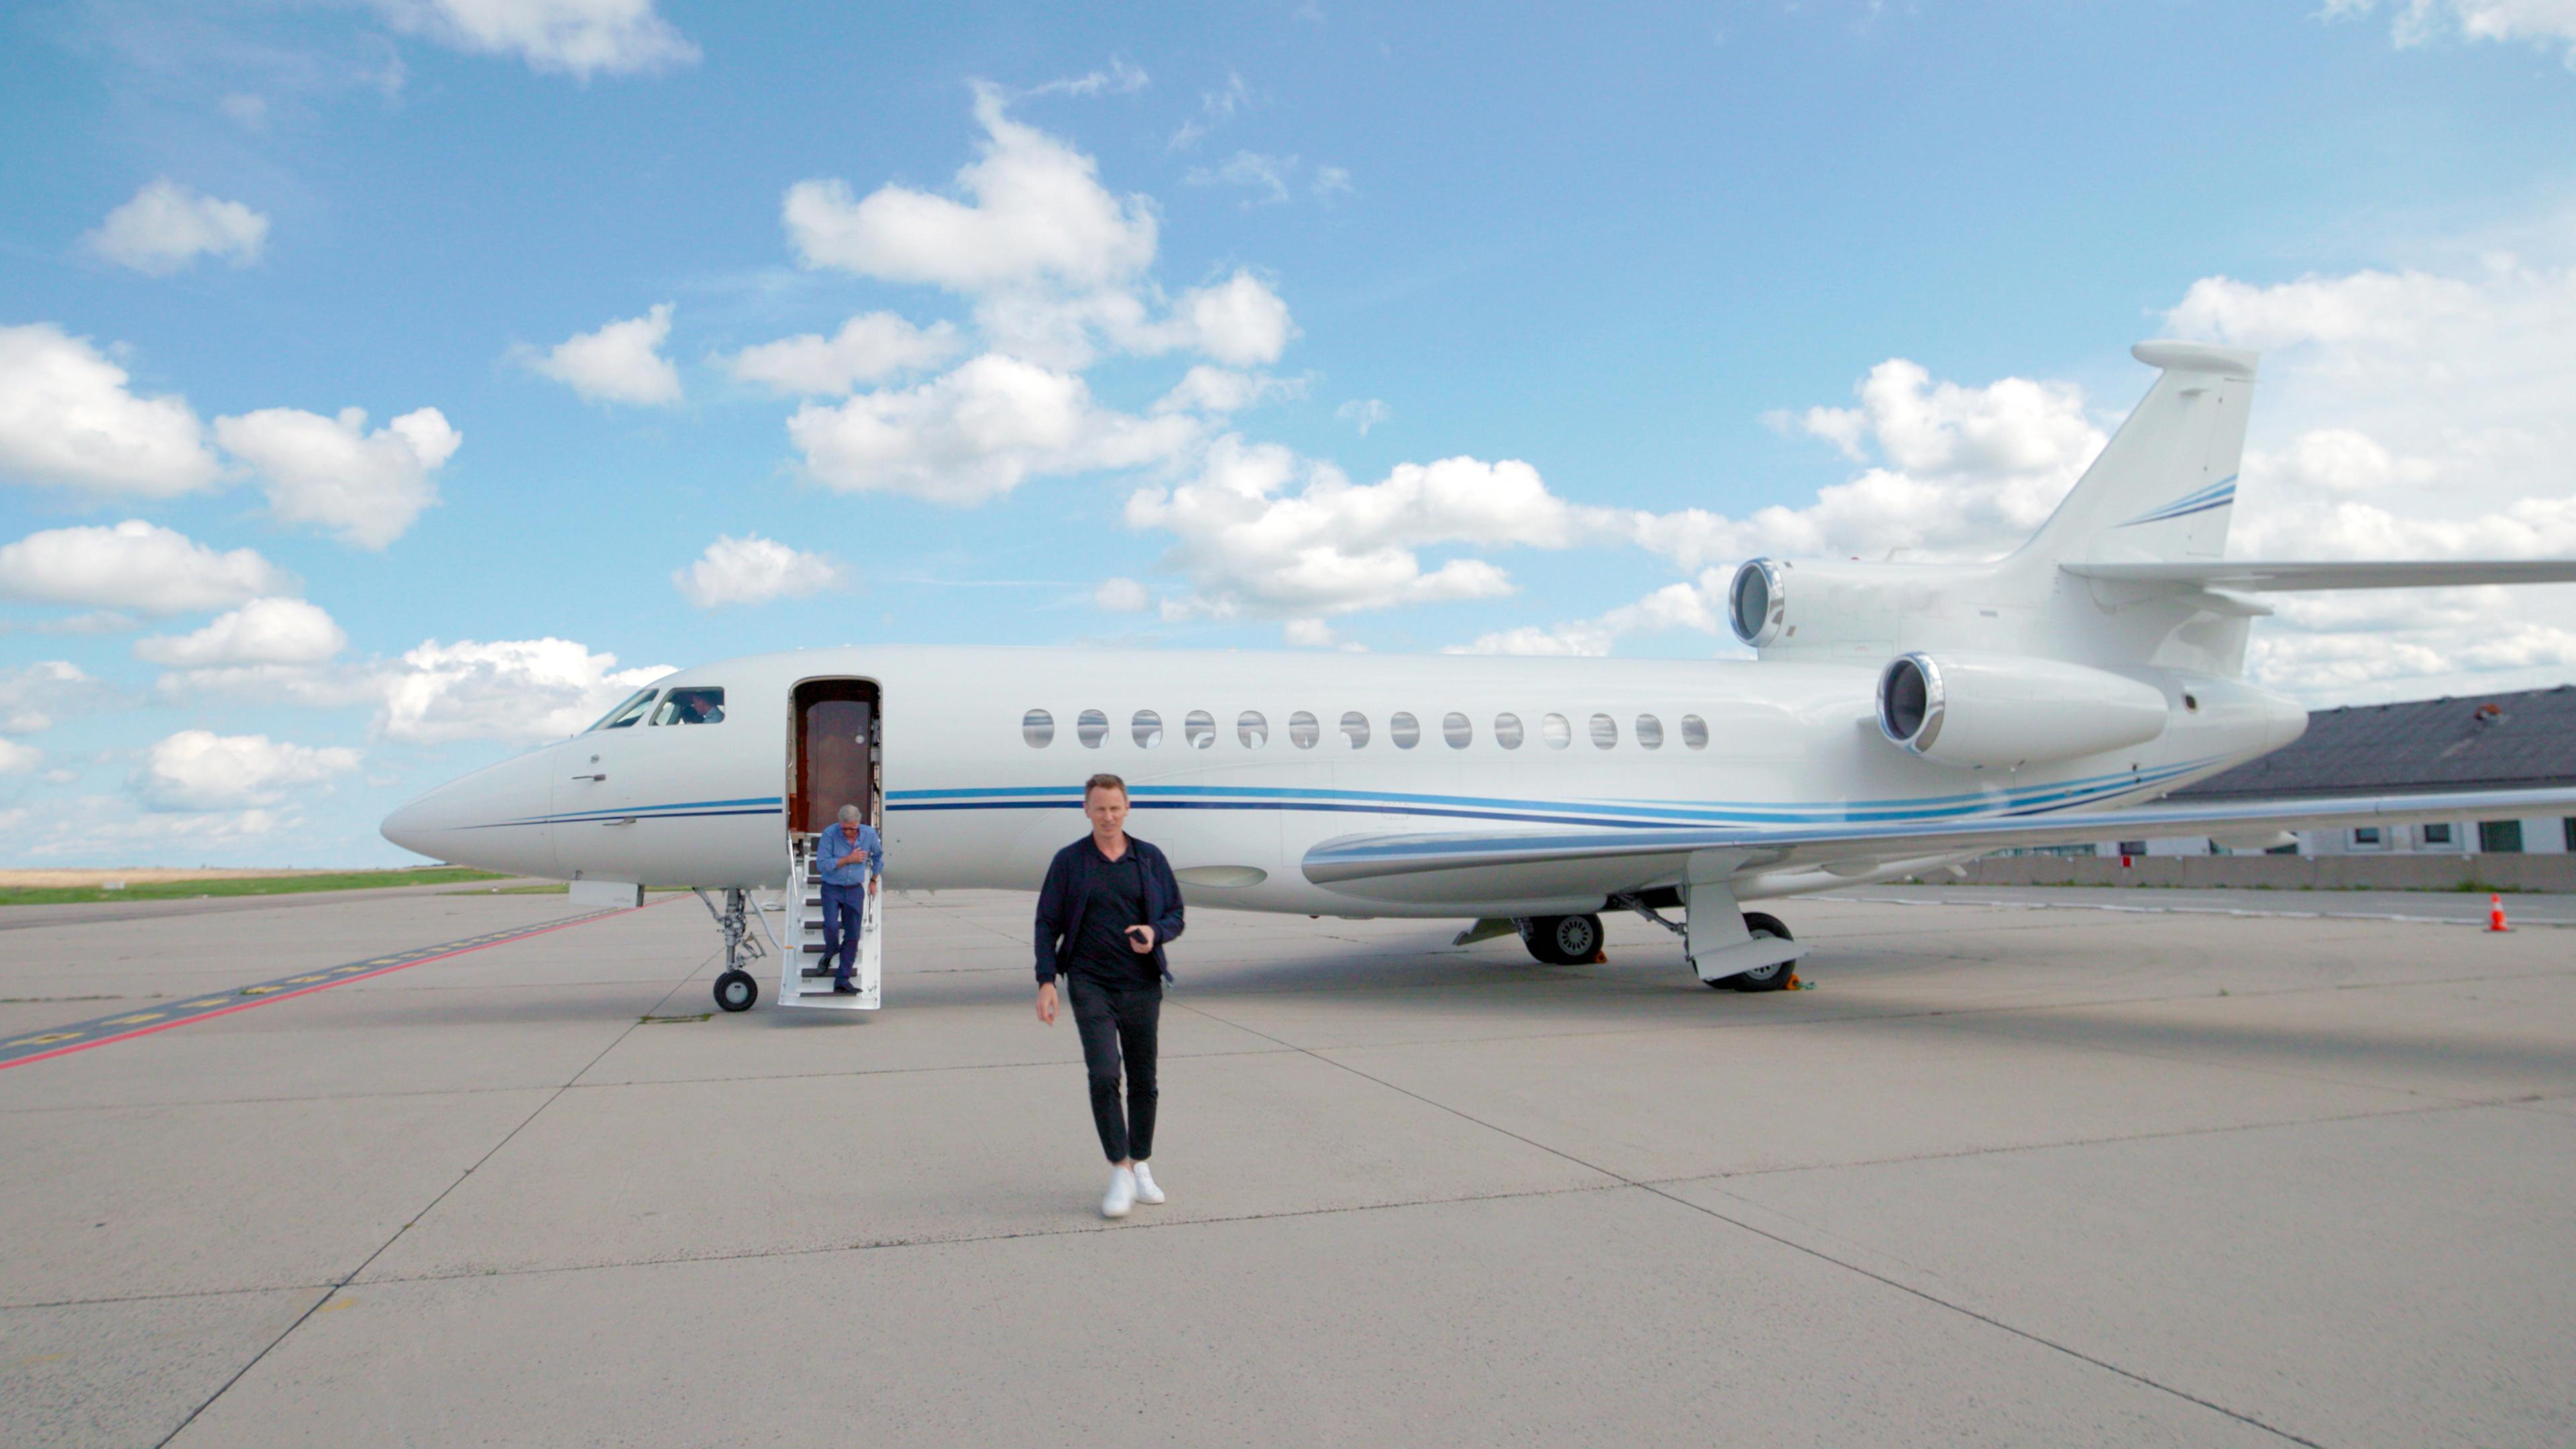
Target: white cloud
[
  {"x": 18, "y": 759},
  {"x": 976, "y": 433},
  {"x": 166, "y": 226},
  {"x": 1122, "y": 78},
  {"x": 365, "y": 487},
  {"x": 581, "y": 38},
  {"x": 869, "y": 348},
  {"x": 1217, "y": 391},
  {"x": 1239, "y": 321},
  {"x": 1121, "y": 596},
  {"x": 1674, "y": 606},
  {"x": 1271, "y": 180},
  {"x": 263, "y": 631},
  {"x": 621, "y": 362},
  {"x": 515, "y": 689},
  {"x": 755, "y": 570},
  {"x": 2544, "y": 23},
  {"x": 136, "y": 566},
  {"x": 248, "y": 111},
  {"x": 1216, "y": 107},
  {"x": 68, "y": 420},
  {"x": 36, "y": 697},
  {"x": 1036, "y": 214},
  {"x": 202, "y": 770},
  {"x": 1365, "y": 412},
  {"x": 1307, "y": 633}
]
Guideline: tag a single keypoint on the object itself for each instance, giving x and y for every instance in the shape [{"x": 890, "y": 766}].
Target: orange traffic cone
[{"x": 2495, "y": 914}]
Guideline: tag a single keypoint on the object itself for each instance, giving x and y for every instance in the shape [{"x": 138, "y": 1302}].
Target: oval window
[
  {"x": 1507, "y": 731},
  {"x": 1038, "y": 728},
  {"x": 1148, "y": 729},
  {"x": 1251, "y": 729},
  {"x": 1091, "y": 727},
  {"x": 1694, "y": 732},
  {"x": 1304, "y": 729},
  {"x": 1199, "y": 729},
  {"x": 1605, "y": 732},
  {"x": 1554, "y": 729},
  {"x": 1405, "y": 730},
  {"x": 1355, "y": 729},
  {"x": 1650, "y": 732},
  {"x": 1455, "y": 728}
]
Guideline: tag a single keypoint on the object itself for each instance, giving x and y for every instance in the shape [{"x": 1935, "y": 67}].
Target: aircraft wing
[
  {"x": 2273, "y": 578},
  {"x": 1634, "y": 858}
]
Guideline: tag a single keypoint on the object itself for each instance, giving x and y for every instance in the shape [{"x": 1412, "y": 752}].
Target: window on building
[
  {"x": 1148, "y": 729},
  {"x": 628, "y": 711},
  {"x": 2568, "y": 828},
  {"x": 1507, "y": 731},
  {"x": 1251, "y": 730},
  {"x": 1199, "y": 730},
  {"x": 1457, "y": 730},
  {"x": 1091, "y": 727},
  {"x": 1038, "y": 728},
  {"x": 1556, "y": 731},
  {"x": 1304, "y": 729},
  {"x": 691, "y": 706},
  {"x": 2367, "y": 837},
  {"x": 2500, "y": 837},
  {"x": 1650, "y": 732},
  {"x": 1694, "y": 732},
  {"x": 1355, "y": 729},
  {"x": 2133, "y": 847},
  {"x": 2437, "y": 832},
  {"x": 1404, "y": 729},
  {"x": 1605, "y": 732}
]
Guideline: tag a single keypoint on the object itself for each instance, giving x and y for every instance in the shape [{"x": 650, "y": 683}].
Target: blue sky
[{"x": 1257, "y": 326}]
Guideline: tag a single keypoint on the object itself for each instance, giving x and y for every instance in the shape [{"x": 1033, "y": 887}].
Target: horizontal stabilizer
[
  {"x": 1649, "y": 854},
  {"x": 2273, "y": 578}
]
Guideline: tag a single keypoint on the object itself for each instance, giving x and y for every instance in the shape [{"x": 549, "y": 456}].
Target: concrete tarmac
[{"x": 2008, "y": 1176}]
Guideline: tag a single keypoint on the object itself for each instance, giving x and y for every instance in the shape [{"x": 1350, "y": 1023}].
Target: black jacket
[{"x": 1067, "y": 892}]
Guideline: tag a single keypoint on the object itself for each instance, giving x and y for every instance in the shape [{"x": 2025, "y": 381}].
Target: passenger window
[
  {"x": 1457, "y": 731},
  {"x": 1304, "y": 729},
  {"x": 1091, "y": 728},
  {"x": 1038, "y": 728},
  {"x": 1694, "y": 732},
  {"x": 1650, "y": 732},
  {"x": 1405, "y": 730},
  {"x": 1251, "y": 730},
  {"x": 1554, "y": 729},
  {"x": 1199, "y": 729},
  {"x": 1507, "y": 731},
  {"x": 1355, "y": 727},
  {"x": 628, "y": 711},
  {"x": 691, "y": 706},
  {"x": 1148, "y": 729}
]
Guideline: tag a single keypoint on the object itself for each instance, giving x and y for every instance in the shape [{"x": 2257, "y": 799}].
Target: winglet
[{"x": 2197, "y": 357}]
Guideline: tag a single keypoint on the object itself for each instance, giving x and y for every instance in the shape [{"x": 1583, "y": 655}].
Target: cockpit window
[
  {"x": 701, "y": 705},
  {"x": 628, "y": 711}
]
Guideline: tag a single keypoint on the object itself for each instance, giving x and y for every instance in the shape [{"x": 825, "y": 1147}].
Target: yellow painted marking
[
  {"x": 384, "y": 961},
  {"x": 194, "y": 1005},
  {"x": 260, "y": 990},
  {"x": 301, "y": 980},
  {"x": 336, "y": 1304},
  {"x": 345, "y": 970},
  {"x": 43, "y": 1358},
  {"x": 140, "y": 1016},
  {"x": 48, "y": 1039}
]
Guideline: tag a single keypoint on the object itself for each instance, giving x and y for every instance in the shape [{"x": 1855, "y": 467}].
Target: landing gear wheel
[
  {"x": 736, "y": 991},
  {"x": 1562, "y": 940},
  {"x": 1765, "y": 978}
]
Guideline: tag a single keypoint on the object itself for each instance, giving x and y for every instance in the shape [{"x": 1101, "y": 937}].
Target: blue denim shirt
[{"x": 837, "y": 843}]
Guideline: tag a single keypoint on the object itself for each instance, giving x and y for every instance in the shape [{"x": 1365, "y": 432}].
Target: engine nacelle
[{"x": 1996, "y": 711}]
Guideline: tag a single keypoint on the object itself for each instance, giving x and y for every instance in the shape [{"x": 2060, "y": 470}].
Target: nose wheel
[{"x": 736, "y": 991}]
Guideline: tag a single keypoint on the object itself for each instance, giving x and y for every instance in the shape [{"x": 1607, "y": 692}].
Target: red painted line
[{"x": 82, "y": 1046}]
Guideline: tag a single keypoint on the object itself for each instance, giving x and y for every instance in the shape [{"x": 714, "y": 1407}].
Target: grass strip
[{"x": 252, "y": 885}]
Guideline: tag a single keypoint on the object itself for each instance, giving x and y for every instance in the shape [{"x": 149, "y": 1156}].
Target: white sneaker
[
  {"x": 1146, "y": 1192},
  {"x": 1122, "y": 1194}
]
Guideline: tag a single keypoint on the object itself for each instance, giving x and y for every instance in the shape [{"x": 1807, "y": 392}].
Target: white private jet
[{"x": 1898, "y": 717}]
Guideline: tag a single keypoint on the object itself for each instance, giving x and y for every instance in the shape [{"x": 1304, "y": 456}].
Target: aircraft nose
[
  {"x": 408, "y": 827},
  {"x": 495, "y": 818}
]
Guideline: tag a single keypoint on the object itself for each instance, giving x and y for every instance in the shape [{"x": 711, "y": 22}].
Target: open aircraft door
[{"x": 836, "y": 753}]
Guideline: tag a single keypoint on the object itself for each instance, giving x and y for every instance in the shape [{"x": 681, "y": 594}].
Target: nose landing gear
[{"x": 735, "y": 988}]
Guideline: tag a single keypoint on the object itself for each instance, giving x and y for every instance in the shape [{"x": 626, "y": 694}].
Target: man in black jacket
[{"x": 1108, "y": 906}]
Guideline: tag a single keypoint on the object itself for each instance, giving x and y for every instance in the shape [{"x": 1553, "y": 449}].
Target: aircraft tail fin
[{"x": 2164, "y": 488}]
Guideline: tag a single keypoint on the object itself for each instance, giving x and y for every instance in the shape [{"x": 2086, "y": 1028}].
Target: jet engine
[{"x": 1997, "y": 711}]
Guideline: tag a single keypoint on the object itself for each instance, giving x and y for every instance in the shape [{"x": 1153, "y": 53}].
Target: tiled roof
[{"x": 2487, "y": 741}]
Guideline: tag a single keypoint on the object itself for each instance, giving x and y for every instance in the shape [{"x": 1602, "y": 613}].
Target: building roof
[{"x": 2524, "y": 740}]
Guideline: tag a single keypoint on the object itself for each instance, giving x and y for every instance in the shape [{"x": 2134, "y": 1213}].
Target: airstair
[{"x": 803, "y": 942}]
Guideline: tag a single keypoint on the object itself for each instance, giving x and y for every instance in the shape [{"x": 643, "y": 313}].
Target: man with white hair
[{"x": 851, "y": 858}]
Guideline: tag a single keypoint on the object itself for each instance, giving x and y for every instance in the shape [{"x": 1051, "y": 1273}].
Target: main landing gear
[
  {"x": 1771, "y": 963},
  {"x": 1774, "y": 977},
  {"x": 1562, "y": 940},
  {"x": 735, "y": 988}
]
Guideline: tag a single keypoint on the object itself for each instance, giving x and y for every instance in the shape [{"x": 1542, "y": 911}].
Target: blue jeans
[{"x": 844, "y": 908}]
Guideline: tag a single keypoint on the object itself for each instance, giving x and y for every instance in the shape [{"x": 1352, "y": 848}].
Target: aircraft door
[{"x": 839, "y": 753}]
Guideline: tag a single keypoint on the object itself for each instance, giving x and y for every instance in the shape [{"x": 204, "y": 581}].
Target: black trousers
[{"x": 1119, "y": 1022}]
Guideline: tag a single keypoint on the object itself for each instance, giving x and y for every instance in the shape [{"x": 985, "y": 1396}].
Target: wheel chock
[{"x": 1599, "y": 958}]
